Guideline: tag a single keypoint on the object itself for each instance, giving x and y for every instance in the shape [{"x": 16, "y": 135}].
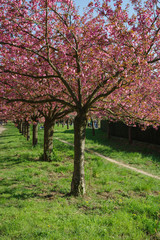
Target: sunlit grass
[{"x": 120, "y": 204}]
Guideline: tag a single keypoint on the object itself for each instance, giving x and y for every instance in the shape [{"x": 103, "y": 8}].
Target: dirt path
[
  {"x": 2, "y": 129},
  {"x": 116, "y": 162}
]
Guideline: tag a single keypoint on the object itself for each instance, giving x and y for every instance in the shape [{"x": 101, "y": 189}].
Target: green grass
[
  {"x": 120, "y": 204},
  {"x": 140, "y": 155}
]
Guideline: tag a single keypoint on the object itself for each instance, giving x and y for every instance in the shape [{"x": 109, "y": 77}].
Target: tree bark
[
  {"x": 24, "y": 131},
  {"x": 67, "y": 123},
  {"x": 130, "y": 134},
  {"x": 98, "y": 123},
  {"x": 78, "y": 179},
  {"x": 17, "y": 124},
  {"x": 108, "y": 130},
  {"x": 93, "y": 129},
  {"x": 48, "y": 138},
  {"x": 27, "y": 131},
  {"x": 20, "y": 126},
  {"x": 35, "y": 135}
]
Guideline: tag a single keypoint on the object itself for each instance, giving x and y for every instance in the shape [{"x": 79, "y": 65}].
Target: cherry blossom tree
[
  {"x": 49, "y": 53},
  {"x": 51, "y": 113}
]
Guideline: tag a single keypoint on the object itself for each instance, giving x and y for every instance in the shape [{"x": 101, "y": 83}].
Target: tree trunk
[
  {"x": 27, "y": 131},
  {"x": 48, "y": 138},
  {"x": 35, "y": 135},
  {"x": 20, "y": 126},
  {"x": 130, "y": 134},
  {"x": 24, "y": 129},
  {"x": 108, "y": 130},
  {"x": 98, "y": 123},
  {"x": 17, "y": 124},
  {"x": 67, "y": 123},
  {"x": 78, "y": 180},
  {"x": 93, "y": 129}
]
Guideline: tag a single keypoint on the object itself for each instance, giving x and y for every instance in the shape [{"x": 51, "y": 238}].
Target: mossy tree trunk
[{"x": 78, "y": 179}]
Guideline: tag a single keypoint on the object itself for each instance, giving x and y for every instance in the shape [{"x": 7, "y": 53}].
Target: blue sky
[{"x": 84, "y": 3}]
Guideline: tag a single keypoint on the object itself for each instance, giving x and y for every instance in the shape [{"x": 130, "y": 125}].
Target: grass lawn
[
  {"x": 140, "y": 155},
  {"x": 120, "y": 204}
]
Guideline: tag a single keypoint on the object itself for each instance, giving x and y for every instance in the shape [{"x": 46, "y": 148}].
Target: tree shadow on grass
[
  {"x": 6, "y": 146},
  {"x": 9, "y": 135},
  {"x": 14, "y": 160},
  {"x": 15, "y": 189},
  {"x": 11, "y": 160},
  {"x": 120, "y": 145}
]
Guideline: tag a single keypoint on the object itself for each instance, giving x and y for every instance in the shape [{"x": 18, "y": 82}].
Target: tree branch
[{"x": 29, "y": 75}]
